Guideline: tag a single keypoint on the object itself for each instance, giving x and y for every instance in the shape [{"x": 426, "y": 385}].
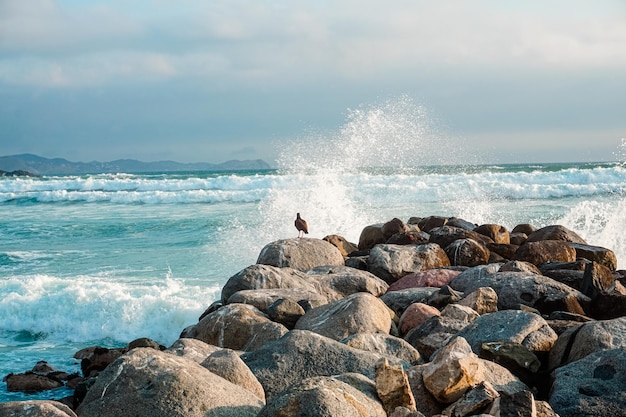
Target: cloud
[{"x": 45, "y": 42}]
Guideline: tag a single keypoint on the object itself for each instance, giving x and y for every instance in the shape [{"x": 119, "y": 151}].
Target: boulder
[
  {"x": 371, "y": 236},
  {"x": 392, "y": 386},
  {"x": 192, "y": 349},
  {"x": 96, "y": 358},
  {"x": 467, "y": 252},
  {"x": 545, "y": 251},
  {"x": 263, "y": 298},
  {"x": 525, "y": 228},
  {"x": 445, "y": 235},
  {"x": 149, "y": 382},
  {"x": 497, "y": 233},
  {"x": 608, "y": 305},
  {"x": 452, "y": 372},
  {"x": 399, "y": 300},
  {"x": 340, "y": 242},
  {"x": 392, "y": 262},
  {"x": 237, "y": 326},
  {"x": 324, "y": 396},
  {"x": 598, "y": 254},
  {"x": 518, "y": 239},
  {"x": 31, "y": 382},
  {"x": 385, "y": 345},
  {"x": 587, "y": 338},
  {"x": 519, "y": 404},
  {"x": 340, "y": 281},
  {"x": 460, "y": 313},
  {"x": 463, "y": 224},
  {"x": 429, "y": 223},
  {"x": 433, "y": 334},
  {"x": 520, "y": 266},
  {"x": 415, "y": 315},
  {"x": 357, "y": 313},
  {"x": 555, "y": 232},
  {"x": 408, "y": 238},
  {"x": 517, "y": 358},
  {"x": 597, "y": 279},
  {"x": 300, "y": 253},
  {"x": 286, "y": 312},
  {"x": 592, "y": 386},
  {"x": 482, "y": 300},
  {"x": 35, "y": 408},
  {"x": 394, "y": 226},
  {"x": 302, "y": 354},
  {"x": 506, "y": 251},
  {"x": 437, "y": 277},
  {"x": 527, "y": 329},
  {"x": 265, "y": 276},
  {"x": 227, "y": 364},
  {"x": 520, "y": 288}
]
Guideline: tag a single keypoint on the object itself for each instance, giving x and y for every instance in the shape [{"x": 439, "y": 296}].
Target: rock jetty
[{"x": 433, "y": 317}]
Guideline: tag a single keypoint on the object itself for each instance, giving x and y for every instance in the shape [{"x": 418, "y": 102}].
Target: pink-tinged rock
[
  {"x": 431, "y": 278},
  {"x": 415, "y": 315}
]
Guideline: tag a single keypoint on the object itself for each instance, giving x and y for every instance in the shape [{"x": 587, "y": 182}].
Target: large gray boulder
[
  {"x": 585, "y": 339},
  {"x": 357, "y": 313},
  {"x": 266, "y": 276},
  {"x": 227, "y": 364},
  {"x": 342, "y": 281},
  {"x": 592, "y": 386},
  {"x": 147, "y": 382},
  {"x": 300, "y": 253},
  {"x": 263, "y": 298},
  {"x": 236, "y": 326},
  {"x": 35, "y": 408},
  {"x": 302, "y": 354},
  {"x": 323, "y": 396},
  {"x": 515, "y": 288},
  {"x": 392, "y": 262},
  {"x": 528, "y": 329}
]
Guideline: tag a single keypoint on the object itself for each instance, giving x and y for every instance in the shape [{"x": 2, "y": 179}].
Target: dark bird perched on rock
[{"x": 301, "y": 225}]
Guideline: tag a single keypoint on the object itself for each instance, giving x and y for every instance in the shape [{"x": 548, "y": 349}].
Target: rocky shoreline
[{"x": 433, "y": 317}]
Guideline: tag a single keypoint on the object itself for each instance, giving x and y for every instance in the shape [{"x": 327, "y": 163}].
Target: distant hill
[{"x": 59, "y": 166}]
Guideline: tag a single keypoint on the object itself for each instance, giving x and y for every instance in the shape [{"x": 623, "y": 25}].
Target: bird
[{"x": 301, "y": 225}]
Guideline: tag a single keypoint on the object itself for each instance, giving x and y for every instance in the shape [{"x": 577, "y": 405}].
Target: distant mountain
[{"x": 59, "y": 166}]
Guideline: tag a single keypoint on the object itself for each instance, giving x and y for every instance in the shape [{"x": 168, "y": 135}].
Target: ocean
[{"x": 105, "y": 259}]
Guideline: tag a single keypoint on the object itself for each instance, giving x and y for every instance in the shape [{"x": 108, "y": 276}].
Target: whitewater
[{"x": 104, "y": 259}]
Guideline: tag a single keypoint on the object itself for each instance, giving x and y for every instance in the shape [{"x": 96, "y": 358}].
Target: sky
[{"x": 210, "y": 81}]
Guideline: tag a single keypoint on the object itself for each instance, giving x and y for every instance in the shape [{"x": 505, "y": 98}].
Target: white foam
[{"x": 85, "y": 308}]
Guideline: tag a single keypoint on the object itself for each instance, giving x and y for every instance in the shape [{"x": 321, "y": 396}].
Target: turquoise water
[{"x": 105, "y": 259}]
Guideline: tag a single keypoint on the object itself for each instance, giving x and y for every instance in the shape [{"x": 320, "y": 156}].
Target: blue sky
[{"x": 196, "y": 80}]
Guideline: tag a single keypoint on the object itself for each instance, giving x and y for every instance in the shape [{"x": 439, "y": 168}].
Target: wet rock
[
  {"x": 555, "y": 232},
  {"x": 467, "y": 252},
  {"x": 499, "y": 234},
  {"x": 525, "y": 228},
  {"x": 429, "y": 223},
  {"x": 31, "y": 382},
  {"x": 394, "y": 226},
  {"x": 96, "y": 358},
  {"x": 371, "y": 236},
  {"x": 408, "y": 238},
  {"x": 597, "y": 278},
  {"x": 545, "y": 251},
  {"x": 446, "y": 235}
]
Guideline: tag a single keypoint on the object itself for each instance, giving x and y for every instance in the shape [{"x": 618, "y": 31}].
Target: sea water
[{"x": 104, "y": 259}]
